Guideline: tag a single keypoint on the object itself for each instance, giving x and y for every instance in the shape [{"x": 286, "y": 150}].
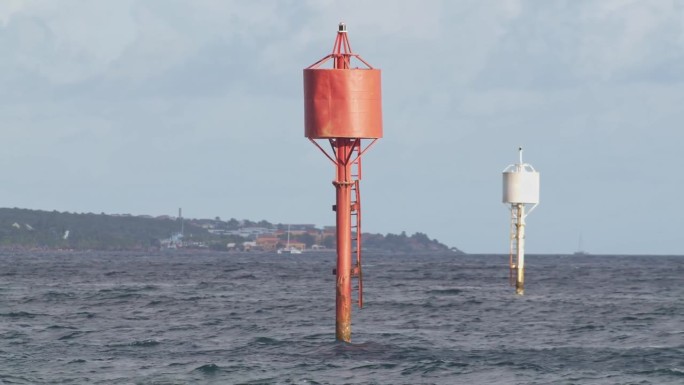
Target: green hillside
[
  {"x": 52, "y": 230},
  {"x": 36, "y": 229}
]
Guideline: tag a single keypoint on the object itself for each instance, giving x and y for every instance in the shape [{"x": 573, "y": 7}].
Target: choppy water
[{"x": 97, "y": 318}]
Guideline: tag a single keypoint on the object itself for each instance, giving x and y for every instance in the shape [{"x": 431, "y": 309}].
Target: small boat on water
[
  {"x": 288, "y": 249},
  {"x": 580, "y": 250}
]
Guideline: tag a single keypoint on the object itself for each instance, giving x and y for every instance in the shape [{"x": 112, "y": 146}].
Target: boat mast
[{"x": 287, "y": 246}]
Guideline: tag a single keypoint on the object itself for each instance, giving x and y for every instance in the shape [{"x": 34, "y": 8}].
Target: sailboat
[
  {"x": 289, "y": 249},
  {"x": 580, "y": 250}
]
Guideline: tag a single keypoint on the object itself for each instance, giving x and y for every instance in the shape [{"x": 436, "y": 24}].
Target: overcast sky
[{"x": 143, "y": 107}]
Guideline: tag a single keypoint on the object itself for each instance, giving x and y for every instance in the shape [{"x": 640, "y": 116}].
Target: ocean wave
[
  {"x": 145, "y": 343},
  {"x": 209, "y": 369},
  {"x": 20, "y": 314}
]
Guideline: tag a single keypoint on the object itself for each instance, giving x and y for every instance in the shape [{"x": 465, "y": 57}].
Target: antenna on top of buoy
[
  {"x": 520, "y": 188},
  {"x": 342, "y": 105}
]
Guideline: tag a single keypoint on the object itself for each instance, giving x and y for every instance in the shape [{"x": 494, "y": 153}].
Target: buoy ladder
[
  {"x": 356, "y": 271},
  {"x": 513, "y": 257}
]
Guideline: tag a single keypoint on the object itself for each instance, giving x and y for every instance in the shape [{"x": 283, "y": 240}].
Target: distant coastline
[{"x": 26, "y": 229}]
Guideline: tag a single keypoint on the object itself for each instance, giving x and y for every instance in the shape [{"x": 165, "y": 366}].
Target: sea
[{"x": 189, "y": 317}]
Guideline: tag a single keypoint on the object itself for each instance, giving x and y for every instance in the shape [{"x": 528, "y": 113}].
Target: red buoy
[{"x": 344, "y": 105}]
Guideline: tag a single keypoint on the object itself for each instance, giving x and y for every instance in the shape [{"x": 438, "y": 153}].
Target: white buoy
[{"x": 520, "y": 188}]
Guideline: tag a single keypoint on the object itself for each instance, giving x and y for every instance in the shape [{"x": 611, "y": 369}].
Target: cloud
[{"x": 560, "y": 44}]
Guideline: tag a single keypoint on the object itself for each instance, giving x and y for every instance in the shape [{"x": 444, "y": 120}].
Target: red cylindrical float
[{"x": 342, "y": 103}]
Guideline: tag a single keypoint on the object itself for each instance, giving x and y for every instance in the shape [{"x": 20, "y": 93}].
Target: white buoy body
[{"x": 521, "y": 187}]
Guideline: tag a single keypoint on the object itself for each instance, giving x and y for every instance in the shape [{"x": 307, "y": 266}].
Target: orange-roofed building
[{"x": 268, "y": 242}]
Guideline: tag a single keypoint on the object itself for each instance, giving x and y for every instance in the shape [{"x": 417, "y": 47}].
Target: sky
[{"x": 143, "y": 107}]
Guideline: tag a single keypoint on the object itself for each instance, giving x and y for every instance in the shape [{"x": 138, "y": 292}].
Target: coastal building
[
  {"x": 249, "y": 246},
  {"x": 268, "y": 242},
  {"x": 249, "y": 232}
]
